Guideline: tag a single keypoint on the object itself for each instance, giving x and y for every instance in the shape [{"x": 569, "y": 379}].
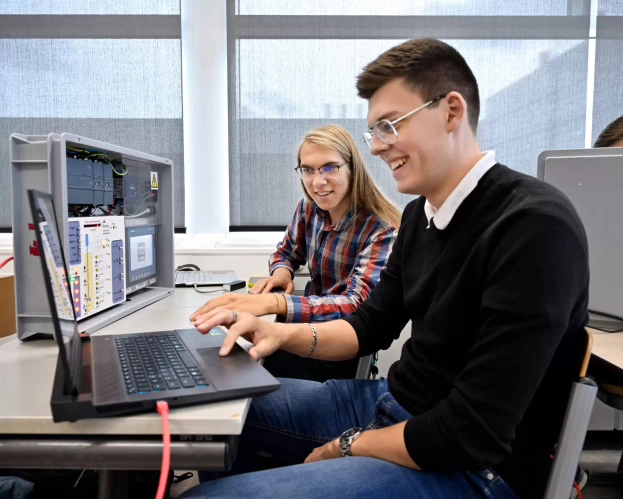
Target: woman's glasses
[{"x": 326, "y": 171}]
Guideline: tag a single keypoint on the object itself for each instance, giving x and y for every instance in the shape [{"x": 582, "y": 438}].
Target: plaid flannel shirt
[{"x": 344, "y": 260}]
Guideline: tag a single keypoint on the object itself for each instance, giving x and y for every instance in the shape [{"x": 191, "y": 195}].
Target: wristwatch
[{"x": 347, "y": 438}]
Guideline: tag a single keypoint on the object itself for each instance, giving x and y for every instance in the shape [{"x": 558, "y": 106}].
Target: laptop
[
  {"x": 129, "y": 373},
  {"x": 186, "y": 277}
]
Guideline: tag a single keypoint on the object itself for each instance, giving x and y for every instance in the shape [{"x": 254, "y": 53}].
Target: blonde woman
[{"x": 343, "y": 229}]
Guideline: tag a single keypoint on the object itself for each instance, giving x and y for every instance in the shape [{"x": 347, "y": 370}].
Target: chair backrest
[
  {"x": 363, "y": 368},
  {"x": 573, "y": 432}
]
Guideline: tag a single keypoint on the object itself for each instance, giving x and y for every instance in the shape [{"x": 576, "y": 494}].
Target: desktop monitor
[{"x": 592, "y": 179}]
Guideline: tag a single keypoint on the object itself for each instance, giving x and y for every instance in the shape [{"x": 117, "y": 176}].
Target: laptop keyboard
[
  {"x": 185, "y": 277},
  {"x": 157, "y": 362}
]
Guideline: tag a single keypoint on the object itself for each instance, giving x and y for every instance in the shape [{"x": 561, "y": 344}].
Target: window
[
  {"x": 293, "y": 66},
  {"x": 105, "y": 69},
  {"x": 608, "y": 104}
]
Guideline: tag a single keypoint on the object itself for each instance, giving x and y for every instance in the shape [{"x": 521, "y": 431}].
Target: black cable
[
  {"x": 206, "y": 292},
  {"x": 604, "y": 314}
]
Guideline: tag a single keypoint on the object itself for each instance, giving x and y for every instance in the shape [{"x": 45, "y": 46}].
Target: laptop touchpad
[{"x": 237, "y": 370}]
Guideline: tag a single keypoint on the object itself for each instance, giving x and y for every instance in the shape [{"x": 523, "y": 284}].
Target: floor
[
  {"x": 592, "y": 462},
  {"x": 600, "y": 461},
  {"x": 179, "y": 488}
]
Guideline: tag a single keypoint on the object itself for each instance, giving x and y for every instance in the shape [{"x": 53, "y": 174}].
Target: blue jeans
[
  {"x": 15, "y": 488},
  {"x": 286, "y": 425}
]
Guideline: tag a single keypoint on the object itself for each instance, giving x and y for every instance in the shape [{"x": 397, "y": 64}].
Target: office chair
[
  {"x": 364, "y": 367},
  {"x": 573, "y": 432},
  {"x": 610, "y": 391}
]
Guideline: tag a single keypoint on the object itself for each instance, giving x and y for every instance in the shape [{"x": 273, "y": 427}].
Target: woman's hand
[
  {"x": 266, "y": 337},
  {"x": 281, "y": 278},
  {"x": 253, "y": 304}
]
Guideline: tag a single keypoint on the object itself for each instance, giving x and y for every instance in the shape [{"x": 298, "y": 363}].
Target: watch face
[
  {"x": 346, "y": 439},
  {"x": 350, "y": 433}
]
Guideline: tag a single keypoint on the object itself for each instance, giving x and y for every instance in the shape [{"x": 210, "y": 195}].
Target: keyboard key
[
  {"x": 173, "y": 385},
  {"x": 187, "y": 359},
  {"x": 201, "y": 381},
  {"x": 158, "y": 386},
  {"x": 187, "y": 381},
  {"x": 132, "y": 391}
]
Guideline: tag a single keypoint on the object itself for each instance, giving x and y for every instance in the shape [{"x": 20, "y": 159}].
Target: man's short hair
[
  {"x": 431, "y": 67},
  {"x": 611, "y": 134}
]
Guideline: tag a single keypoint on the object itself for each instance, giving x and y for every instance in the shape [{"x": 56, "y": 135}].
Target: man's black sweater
[{"x": 498, "y": 301}]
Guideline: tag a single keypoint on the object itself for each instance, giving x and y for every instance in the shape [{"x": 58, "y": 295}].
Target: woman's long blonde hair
[{"x": 363, "y": 191}]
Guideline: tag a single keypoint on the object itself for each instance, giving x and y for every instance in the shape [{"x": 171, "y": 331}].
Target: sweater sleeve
[
  {"x": 292, "y": 250},
  {"x": 381, "y": 318},
  {"x": 535, "y": 273},
  {"x": 361, "y": 282}
]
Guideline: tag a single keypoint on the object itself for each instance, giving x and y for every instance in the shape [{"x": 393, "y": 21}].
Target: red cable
[
  {"x": 163, "y": 410},
  {"x": 6, "y": 261},
  {"x": 577, "y": 489}
]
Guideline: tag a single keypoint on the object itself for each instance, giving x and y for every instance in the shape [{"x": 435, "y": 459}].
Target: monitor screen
[
  {"x": 60, "y": 285},
  {"x": 141, "y": 257}
]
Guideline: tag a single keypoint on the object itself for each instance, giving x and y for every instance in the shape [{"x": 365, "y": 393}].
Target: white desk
[{"x": 26, "y": 377}]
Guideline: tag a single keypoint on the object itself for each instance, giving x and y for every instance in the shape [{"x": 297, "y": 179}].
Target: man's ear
[{"x": 456, "y": 111}]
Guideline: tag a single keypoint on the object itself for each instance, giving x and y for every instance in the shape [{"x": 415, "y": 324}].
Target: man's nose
[{"x": 378, "y": 146}]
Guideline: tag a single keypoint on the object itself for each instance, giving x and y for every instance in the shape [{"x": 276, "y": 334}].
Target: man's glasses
[
  {"x": 326, "y": 171},
  {"x": 385, "y": 130}
]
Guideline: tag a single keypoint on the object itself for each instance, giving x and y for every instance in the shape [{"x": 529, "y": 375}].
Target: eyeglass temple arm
[{"x": 429, "y": 103}]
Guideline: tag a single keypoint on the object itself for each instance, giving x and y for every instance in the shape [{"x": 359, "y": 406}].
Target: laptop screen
[{"x": 59, "y": 285}]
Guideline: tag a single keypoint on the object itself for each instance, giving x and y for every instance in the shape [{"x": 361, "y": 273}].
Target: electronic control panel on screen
[{"x": 54, "y": 262}]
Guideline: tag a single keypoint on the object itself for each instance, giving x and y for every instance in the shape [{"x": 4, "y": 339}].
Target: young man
[{"x": 490, "y": 266}]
